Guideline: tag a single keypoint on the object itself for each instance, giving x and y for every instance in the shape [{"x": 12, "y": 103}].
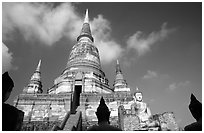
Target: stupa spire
[
  {"x": 86, "y": 30},
  {"x": 118, "y": 70},
  {"x": 119, "y": 83},
  {"x": 35, "y": 84},
  {"x": 86, "y": 19},
  {"x": 38, "y": 67},
  {"x": 36, "y": 74}
]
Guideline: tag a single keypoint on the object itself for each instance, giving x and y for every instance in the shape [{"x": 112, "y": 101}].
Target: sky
[{"x": 159, "y": 46}]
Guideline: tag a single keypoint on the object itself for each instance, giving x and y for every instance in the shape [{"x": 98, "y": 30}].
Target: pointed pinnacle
[
  {"x": 137, "y": 89},
  {"x": 102, "y": 101},
  {"x": 86, "y": 19},
  {"x": 38, "y": 67},
  {"x": 193, "y": 97},
  {"x": 117, "y": 62},
  {"x": 118, "y": 67}
]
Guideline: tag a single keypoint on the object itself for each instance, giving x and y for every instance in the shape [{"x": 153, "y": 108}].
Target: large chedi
[
  {"x": 83, "y": 70},
  {"x": 82, "y": 75},
  {"x": 71, "y": 103}
]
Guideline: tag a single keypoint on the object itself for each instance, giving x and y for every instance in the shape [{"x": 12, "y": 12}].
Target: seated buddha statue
[{"x": 140, "y": 108}]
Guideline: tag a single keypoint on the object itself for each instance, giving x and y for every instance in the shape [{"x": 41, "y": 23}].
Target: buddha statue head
[{"x": 138, "y": 95}]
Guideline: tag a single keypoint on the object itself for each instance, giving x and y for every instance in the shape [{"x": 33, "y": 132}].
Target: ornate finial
[
  {"x": 137, "y": 89},
  {"x": 117, "y": 62},
  {"x": 38, "y": 67},
  {"x": 118, "y": 70},
  {"x": 86, "y": 19}
]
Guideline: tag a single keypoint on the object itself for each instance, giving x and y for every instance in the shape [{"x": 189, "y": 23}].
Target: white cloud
[
  {"x": 172, "y": 86},
  {"x": 101, "y": 28},
  {"x": 175, "y": 86},
  {"x": 37, "y": 21},
  {"x": 150, "y": 74},
  {"x": 48, "y": 24},
  {"x": 142, "y": 44},
  {"x": 6, "y": 59},
  {"x": 109, "y": 49}
]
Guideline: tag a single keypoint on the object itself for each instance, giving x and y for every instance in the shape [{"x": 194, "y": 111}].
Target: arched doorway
[{"x": 77, "y": 91}]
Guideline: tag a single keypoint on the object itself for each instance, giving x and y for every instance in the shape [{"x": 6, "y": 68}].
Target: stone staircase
[{"x": 71, "y": 122}]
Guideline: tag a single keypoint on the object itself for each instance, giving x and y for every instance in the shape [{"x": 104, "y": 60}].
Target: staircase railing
[
  {"x": 61, "y": 127},
  {"x": 74, "y": 122}
]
